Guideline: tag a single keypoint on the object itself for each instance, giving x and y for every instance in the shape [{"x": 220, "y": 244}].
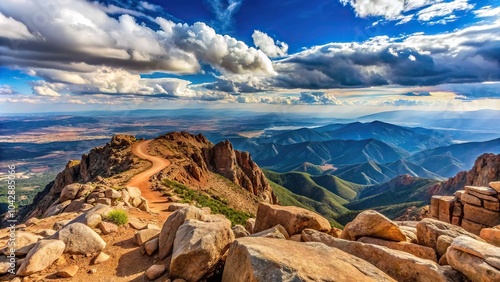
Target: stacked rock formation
[{"x": 473, "y": 209}]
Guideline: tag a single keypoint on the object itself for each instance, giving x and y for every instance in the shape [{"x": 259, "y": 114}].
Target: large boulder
[
  {"x": 173, "y": 222},
  {"x": 294, "y": 219},
  {"x": 475, "y": 268},
  {"x": 264, "y": 259},
  {"x": 23, "y": 243},
  {"x": 277, "y": 232},
  {"x": 198, "y": 246},
  {"x": 41, "y": 256},
  {"x": 414, "y": 249},
  {"x": 373, "y": 224},
  {"x": 79, "y": 239},
  {"x": 489, "y": 253},
  {"x": 69, "y": 192},
  {"x": 94, "y": 216},
  {"x": 491, "y": 235},
  {"x": 399, "y": 265},
  {"x": 428, "y": 231}
]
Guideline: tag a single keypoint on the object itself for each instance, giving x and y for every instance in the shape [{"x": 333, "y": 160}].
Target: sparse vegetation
[
  {"x": 118, "y": 217},
  {"x": 216, "y": 205}
]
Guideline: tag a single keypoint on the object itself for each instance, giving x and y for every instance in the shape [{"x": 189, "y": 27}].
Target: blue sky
[{"x": 343, "y": 54}]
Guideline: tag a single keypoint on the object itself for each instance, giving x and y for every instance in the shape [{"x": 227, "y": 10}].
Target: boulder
[
  {"x": 133, "y": 192},
  {"x": 41, "y": 256},
  {"x": 428, "y": 231},
  {"x": 293, "y": 219},
  {"x": 239, "y": 231},
  {"x": 250, "y": 224},
  {"x": 94, "y": 216},
  {"x": 85, "y": 189},
  {"x": 112, "y": 194},
  {"x": 434, "y": 207},
  {"x": 143, "y": 205},
  {"x": 177, "y": 206},
  {"x": 414, "y": 249},
  {"x": 470, "y": 199},
  {"x": 104, "y": 201},
  {"x": 68, "y": 271},
  {"x": 69, "y": 192},
  {"x": 44, "y": 232},
  {"x": 442, "y": 244},
  {"x": 107, "y": 227},
  {"x": 277, "y": 232},
  {"x": 142, "y": 236},
  {"x": 399, "y": 265},
  {"x": 23, "y": 243},
  {"x": 198, "y": 246},
  {"x": 370, "y": 223},
  {"x": 60, "y": 224},
  {"x": 471, "y": 266},
  {"x": 75, "y": 206},
  {"x": 56, "y": 208},
  {"x": 489, "y": 253},
  {"x": 169, "y": 228},
  {"x": 100, "y": 258},
  {"x": 137, "y": 224},
  {"x": 446, "y": 204},
  {"x": 155, "y": 271},
  {"x": 79, "y": 239},
  {"x": 151, "y": 246},
  {"x": 253, "y": 259},
  {"x": 491, "y": 235}
]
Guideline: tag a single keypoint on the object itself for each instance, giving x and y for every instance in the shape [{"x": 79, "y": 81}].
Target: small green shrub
[{"x": 118, "y": 217}]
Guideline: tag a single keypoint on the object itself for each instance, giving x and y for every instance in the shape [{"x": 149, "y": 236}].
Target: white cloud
[
  {"x": 487, "y": 11},
  {"x": 443, "y": 9},
  {"x": 6, "y": 90},
  {"x": 266, "y": 43},
  {"x": 13, "y": 29},
  {"x": 71, "y": 34},
  {"x": 389, "y": 9},
  {"x": 224, "y": 12}
]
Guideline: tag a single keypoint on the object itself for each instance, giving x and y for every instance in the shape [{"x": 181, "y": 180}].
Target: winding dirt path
[{"x": 157, "y": 202}]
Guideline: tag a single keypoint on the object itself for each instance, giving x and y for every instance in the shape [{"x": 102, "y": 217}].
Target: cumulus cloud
[
  {"x": 462, "y": 56},
  {"x": 266, "y": 43},
  {"x": 81, "y": 36},
  {"x": 6, "y": 90},
  {"x": 389, "y": 9}
]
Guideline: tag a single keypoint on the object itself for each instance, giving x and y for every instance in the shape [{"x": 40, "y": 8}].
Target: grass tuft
[{"x": 118, "y": 217}]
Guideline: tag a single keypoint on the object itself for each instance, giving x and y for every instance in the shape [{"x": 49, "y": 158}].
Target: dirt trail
[{"x": 157, "y": 202}]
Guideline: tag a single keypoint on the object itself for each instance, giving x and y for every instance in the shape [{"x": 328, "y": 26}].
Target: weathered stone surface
[
  {"x": 491, "y": 235},
  {"x": 23, "y": 243},
  {"x": 41, "y": 256},
  {"x": 239, "y": 231},
  {"x": 69, "y": 192},
  {"x": 75, "y": 206},
  {"x": 144, "y": 205},
  {"x": 456, "y": 220},
  {"x": 250, "y": 224},
  {"x": 434, "y": 208},
  {"x": 294, "y": 219},
  {"x": 489, "y": 253},
  {"x": 177, "y": 206},
  {"x": 481, "y": 215},
  {"x": 142, "y": 236},
  {"x": 60, "y": 224},
  {"x": 155, "y": 271},
  {"x": 296, "y": 237},
  {"x": 484, "y": 197},
  {"x": 264, "y": 260},
  {"x": 173, "y": 222},
  {"x": 79, "y": 239},
  {"x": 112, "y": 194},
  {"x": 107, "y": 227},
  {"x": 458, "y": 209},
  {"x": 446, "y": 208},
  {"x": 151, "y": 246},
  {"x": 410, "y": 232},
  {"x": 495, "y": 185},
  {"x": 68, "y": 271},
  {"x": 428, "y": 231},
  {"x": 471, "y": 266},
  {"x": 277, "y": 232},
  {"x": 442, "y": 244},
  {"x": 44, "y": 232},
  {"x": 94, "y": 216},
  {"x": 137, "y": 224},
  {"x": 370, "y": 223},
  {"x": 56, "y": 208},
  {"x": 494, "y": 206},
  {"x": 32, "y": 221},
  {"x": 472, "y": 227},
  {"x": 470, "y": 199},
  {"x": 104, "y": 201},
  {"x": 100, "y": 258},
  {"x": 198, "y": 247},
  {"x": 459, "y": 194},
  {"x": 399, "y": 265},
  {"x": 133, "y": 192},
  {"x": 481, "y": 189},
  {"x": 414, "y": 249}
]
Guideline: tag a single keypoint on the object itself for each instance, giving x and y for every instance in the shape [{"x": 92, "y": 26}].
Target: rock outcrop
[
  {"x": 373, "y": 224},
  {"x": 264, "y": 260},
  {"x": 43, "y": 254},
  {"x": 473, "y": 209}
]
